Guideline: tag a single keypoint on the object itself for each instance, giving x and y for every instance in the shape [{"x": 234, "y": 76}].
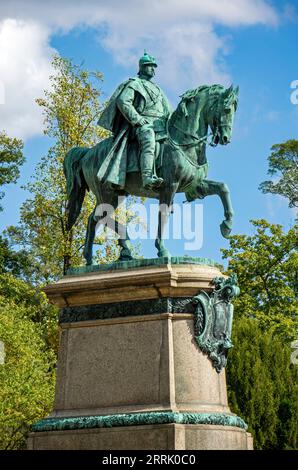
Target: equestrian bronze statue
[{"x": 152, "y": 152}]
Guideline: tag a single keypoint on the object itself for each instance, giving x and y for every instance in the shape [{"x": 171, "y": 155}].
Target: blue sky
[{"x": 250, "y": 43}]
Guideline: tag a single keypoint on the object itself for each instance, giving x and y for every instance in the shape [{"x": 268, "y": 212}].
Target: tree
[
  {"x": 11, "y": 158},
  {"x": 262, "y": 382},
  {"x": 34, "y": 305},
  {"x": 27, "y": 377},
  {"x": 70, "y": 109},
  {"x": 262, "y": 385},
  {"x": 14, "y": 262},
  {"x": 28, "y": 331},
  {"x": 267, "y": 267},
  {"x": 283, "y": 162}
]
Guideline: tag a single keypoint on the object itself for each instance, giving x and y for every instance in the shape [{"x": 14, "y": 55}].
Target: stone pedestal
[{"x": 130, "y": 374}]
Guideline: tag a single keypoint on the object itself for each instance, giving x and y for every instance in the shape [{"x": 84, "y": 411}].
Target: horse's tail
[{"x": 75, "y": 183}]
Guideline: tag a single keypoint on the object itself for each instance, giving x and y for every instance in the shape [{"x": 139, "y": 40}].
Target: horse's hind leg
[
  {"x": 93, "y": 220},
  {"x": 90, "y": 235}
]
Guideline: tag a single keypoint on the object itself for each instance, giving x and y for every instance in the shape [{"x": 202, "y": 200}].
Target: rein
[{"x": 199, "y": 140}]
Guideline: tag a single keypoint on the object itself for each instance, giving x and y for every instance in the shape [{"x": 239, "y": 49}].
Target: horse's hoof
[
  {"x": 125, "y": 258},
  {"x": 226, "y": 228},
  {"x": 125, "y": 255}
]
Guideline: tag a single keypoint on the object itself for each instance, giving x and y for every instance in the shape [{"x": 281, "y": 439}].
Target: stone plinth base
[
  {"x": 130, "y": 374},
  {"x": 150, "y": 437}
]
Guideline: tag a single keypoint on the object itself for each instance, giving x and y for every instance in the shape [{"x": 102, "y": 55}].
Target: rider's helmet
[{"x": 147, "y": 59}]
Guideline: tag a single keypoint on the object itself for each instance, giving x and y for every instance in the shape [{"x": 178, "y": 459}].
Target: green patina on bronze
[
  {"x": 153, "y": 152},
  {"x": 137, "y": 263},
  {"x": 129, "y": 308},
  {"x": 144, "y": 112},
  {"x": 137, "y": 419},
  {"x": 214, "y": 318}
]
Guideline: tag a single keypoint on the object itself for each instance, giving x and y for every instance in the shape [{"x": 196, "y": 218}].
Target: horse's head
[
  {"x": 223, "y": 104},
  {"x": 211, "y": 106}
]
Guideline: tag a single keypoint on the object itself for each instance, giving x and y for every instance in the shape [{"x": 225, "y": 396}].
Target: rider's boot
[{"x": 150, "y": 181}]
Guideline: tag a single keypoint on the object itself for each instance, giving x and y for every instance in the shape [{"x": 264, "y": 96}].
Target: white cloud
[
  {"x": 181, "y": 34},
  {"x": 2, "y": 92},
  {"x": 141, "y": 14},
  {"x": 180, "y": 66},
  {"x": 24, "y": 73}
]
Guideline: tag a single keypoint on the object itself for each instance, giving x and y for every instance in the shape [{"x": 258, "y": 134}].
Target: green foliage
[
  {"x": 28, "y": 323},
  {"x": 266, "y": 264},
  {"x": 70, "y": 109},
  {"x": 16, "y": 263},
  {"x": 283, "y": 163},
  {"x": 34, "y": 306},
  {"x": 263, "y": 385},
  {"x": 11, "y": 158},
  {"x": 28, "y": 330},
  {"x": 262, "y": 382}
]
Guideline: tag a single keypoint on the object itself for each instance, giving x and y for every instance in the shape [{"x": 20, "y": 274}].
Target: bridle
[
  {"x": 199, "y": 140},
  {"x": 218, "y": 126}
]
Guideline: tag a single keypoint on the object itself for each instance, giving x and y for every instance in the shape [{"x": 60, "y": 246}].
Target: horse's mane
[
  {"x": 190, "y": 94},
  {"x": 212, "y": 90}
]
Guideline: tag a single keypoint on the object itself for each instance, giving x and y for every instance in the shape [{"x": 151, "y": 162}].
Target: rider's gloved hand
[{"x": 142, "y": 121}]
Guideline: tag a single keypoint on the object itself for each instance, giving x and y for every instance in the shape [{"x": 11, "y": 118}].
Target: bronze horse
[{"x": 184, "y": 166}]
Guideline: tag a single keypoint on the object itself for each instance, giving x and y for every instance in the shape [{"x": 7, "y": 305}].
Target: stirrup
[{"x": 153, "y": 182}]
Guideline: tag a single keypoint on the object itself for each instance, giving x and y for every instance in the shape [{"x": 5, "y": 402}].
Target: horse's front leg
[
  {"x": 165, "y": 208},
  {"x": 222, "y": 190},
  {"x": 163, "y": 216},
  {"x": 121, "y": 230}
]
